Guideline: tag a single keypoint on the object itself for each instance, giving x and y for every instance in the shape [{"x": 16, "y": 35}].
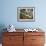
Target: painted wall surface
[{"x": 9, "y": 13}]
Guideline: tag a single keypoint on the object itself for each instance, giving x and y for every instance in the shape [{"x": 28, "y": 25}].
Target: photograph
[{"x": 25, "y": 14}]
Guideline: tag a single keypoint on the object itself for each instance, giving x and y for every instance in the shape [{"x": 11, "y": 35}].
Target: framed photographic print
[{"x": 26, "y": 14}]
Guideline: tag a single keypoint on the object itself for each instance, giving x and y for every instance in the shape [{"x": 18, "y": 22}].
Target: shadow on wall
[{"x": 2, "y": 26}]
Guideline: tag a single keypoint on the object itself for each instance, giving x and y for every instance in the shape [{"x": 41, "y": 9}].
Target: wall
[{"x": 9, "y": 13}]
